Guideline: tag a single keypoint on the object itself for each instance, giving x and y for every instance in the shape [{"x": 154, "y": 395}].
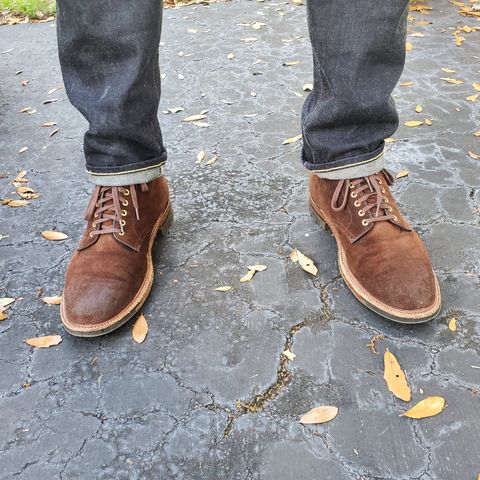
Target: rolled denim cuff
[
  {"x": 132, "y": 177},
  {"x": 357, "y": 170}
]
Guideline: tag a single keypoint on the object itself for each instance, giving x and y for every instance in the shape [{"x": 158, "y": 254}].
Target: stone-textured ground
[{"x": 209, "y": 395}]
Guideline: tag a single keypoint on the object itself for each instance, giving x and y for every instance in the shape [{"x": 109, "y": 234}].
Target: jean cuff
[
  {"x": 357, "y": 170},
  {"x": 132, "y": 177}
]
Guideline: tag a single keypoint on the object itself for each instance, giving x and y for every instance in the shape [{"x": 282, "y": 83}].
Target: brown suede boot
[
  {"x": 381, "y": 258},
  {"x": 111, "y": 271}
]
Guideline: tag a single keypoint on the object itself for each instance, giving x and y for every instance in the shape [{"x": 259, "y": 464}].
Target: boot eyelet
[
  {"x": 90, "y": 234},
  {"x": 123, "y": 223},
  {"x": 127, "y": 192},
  {"x": 97, "y": 205},
  {"x": 123, "y": 213},
  {"x": 351, "y": 185},
  {"x": 380, "y": 182},
  {"x": 125, "y": 203},
  {"x": 385, "y": 200},
  {"x": 122, "y": 233},
  {"x": 395, "y": 218},
  {"x": 356, "y": 203},
  {"x": 383, "y": 190},
  {"x": 96, "y": 215},
  {"x": 365, "y": 223},
  {"x": 93, "y": 225},
  {"x": 361, "y": 213},
  {"x": 353, "y": 195},
  {"x": 390, "y": 209}
]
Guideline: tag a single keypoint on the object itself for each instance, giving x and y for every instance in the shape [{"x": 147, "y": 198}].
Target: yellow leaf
[
  {"x": 452, "y": 325},
  {"x": 289, "y": 354},
  {"x": 449, "y": 70},
  {"x": 428, "y": 122},
  {"x": 419, "y": 108},
  {"x": 306, "y": 263},
  {"x": 50, "y": 235},
  {"x": 476, "y": 86},
  {"x": 212, "y": 160},
  {"x": 428, "y": 407},
  {"x": 6, "y": 301},
  {"x": 140, "y": 329},
  {"x": 319, "y": 415},
  {"x": 472, "y": 98},
  {"x": 408, "y": 46},
  {"x": 390, "y": 140},
  {"x": 406, "y": 84},
  {"x": 3, "y": 316},
  {"x": 52, "y": 300},
  {"x": 200, "y": 156},
  {"x": 477, "y": 133},
  {"x": 226, "y": 288},
  {"x": 414, "y": 123},
  {"x": 21, "y": 176},
  {"x": 248, "y": 276},
  {"x": 16, "y": 203},
  {"x": 402, "y": 173},
  {"x": 194, "y": 118},
  {"x": 292, "y": 139},
  {"x": 44, "y": 342},
  {"x": 473, "y": 155},
  {"x": 395, "y": 377},
  {"x": 23, "y": 149},
  {"x": 293, "y": 256},
  {"x": 453, "y": 81}
]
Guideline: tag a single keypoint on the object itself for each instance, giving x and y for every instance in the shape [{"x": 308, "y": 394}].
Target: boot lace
[
  {"x": 369, "y": 196},
  {"x": 108, "y": 206}
]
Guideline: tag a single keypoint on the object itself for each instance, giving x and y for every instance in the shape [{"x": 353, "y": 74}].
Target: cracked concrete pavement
[{"x": 209, "y": 394}]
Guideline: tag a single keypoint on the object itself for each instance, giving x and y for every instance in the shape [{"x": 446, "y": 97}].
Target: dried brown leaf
[
  {"x": 52, "y": 300},
  {"x": 395, "y": 377},
  {"x": 51, "y": 235},
  {"x": 428, "y": 407},
  {"x": 140, "y": 329},
  {"x": 318, "y": 415},
  {"x": 44, "y": 342}
]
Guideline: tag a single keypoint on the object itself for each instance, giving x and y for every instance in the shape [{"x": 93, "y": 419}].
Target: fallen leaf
[
  {"x": 453, "y": 81},
  {"x": 251, "y": 272},
  {"x": 476, "y": 86},
  {"x": 52, "y": 300},
  {"x": 44, "y": 342},
  {"x": 201, "y": 156},
  {"x": 414, "y": 123},
  {"x": 477, "y": 133},
  {"x": 452, "y": 325},
  {"x": 472, "y": 98},
  {"x": 290, "y": 355},
  {"x": 428, "y": 122},
  {"x": 50, "y": 235},
  {"x": 3, "y": 316},
  {"x": 428, "y": 407},
  {"x": 395, "y": 377},
  {"x": 449, "y": 70},
  {"x": 402, "y": 173},
  {"x": 21, "y": 177},
  {"x": 406, "y": 84},
  {"x": 292, "y": 139},
  {"x": 305, "y": 262},
  {"x": 48, "y": 124},
  {"x": 473, "y": 155},
  {"x": 226, "y": 288},
  {"x": 14, "y": 203},
  {"x": 140, "y": 329},
  {"x": 23, "y": 149},
  {"x": 6, "y": 301},
  {"x": 319, "y": 415},
  {"x": 408, "y": 46},
  {"x": 212, "y": 160},
  {"x": 194, "y": 118},
  {"x": 53, "y": 132},
  {"x": 419, "y": 108}
]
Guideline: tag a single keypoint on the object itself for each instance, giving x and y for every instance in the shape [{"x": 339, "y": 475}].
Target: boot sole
[
  {"x": 393, "y": 314},
  {"x": 162, "y": 225}
]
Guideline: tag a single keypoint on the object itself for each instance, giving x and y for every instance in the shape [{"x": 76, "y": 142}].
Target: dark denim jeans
[{"x": 109, "y": 56}]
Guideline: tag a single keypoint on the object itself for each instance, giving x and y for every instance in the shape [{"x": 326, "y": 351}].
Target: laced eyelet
[
  {"x": 361, "y": 213},
  {"x": 122, "y": 233},
  {"x": 385, "y": 200},
  {"x": 379, "y": 182},
  {"x": 395, "y": 218},
  {"x": 97, "y": 205},
  {"x": 93, "y": 225},
  {"x": 127, "y": 192},
  {"x": 123, "y": 213},
  {"x": 96, "y": 215},
  {"x": 365, "y": 223},
  {"x": 123, "y": 223},
  {"x": 390, "y": 209},
  {"x": 353, "y": 195},
  {"x": 356, "y": 203},
  {"x": 383, "y": 190},
  {"x": 125, "y": 204},
  {"x": 90, "y": 234},
  {"x": 351, "y": 185}
]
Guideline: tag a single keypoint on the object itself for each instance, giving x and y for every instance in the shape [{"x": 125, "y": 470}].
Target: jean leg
[
  {"x": 109, "y": 57},
  {"x": 358, "y": 55}
]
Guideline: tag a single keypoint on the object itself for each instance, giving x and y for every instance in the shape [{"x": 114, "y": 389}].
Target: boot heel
[
  {"x": 166, "y": 224},
  {"x": 319, "y": 219}
]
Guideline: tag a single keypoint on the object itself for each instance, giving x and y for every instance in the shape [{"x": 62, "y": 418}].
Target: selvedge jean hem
[
  {"x": 128, "y": 177},
  {"x": 356, "y": 167}
]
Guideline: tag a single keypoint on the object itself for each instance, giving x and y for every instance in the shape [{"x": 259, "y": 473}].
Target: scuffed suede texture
[
  {"x": 106, "y": 271},
  {"x": 387, "y": 258}
]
